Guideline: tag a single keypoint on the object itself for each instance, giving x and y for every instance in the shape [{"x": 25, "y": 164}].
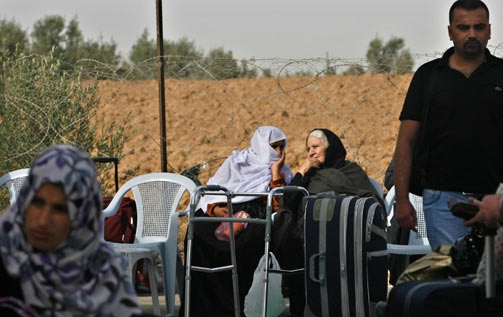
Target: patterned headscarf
[
  {"x": 249, "y": 170},
  {"x": 83, "y": 276}
]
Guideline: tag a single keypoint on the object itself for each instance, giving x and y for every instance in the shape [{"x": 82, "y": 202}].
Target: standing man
[{"x": 455, "y": 106}]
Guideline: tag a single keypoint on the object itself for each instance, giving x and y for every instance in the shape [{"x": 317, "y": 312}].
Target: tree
[
  {"x": 103, "y": 52},
  {"x": 329, "y": 69},
  {"x": 220, "y": 64},
  {"x": 355, "y": 69},
  {"x": 247, "y": 72},
  {"x": 12, "y": 37},
  {"x": 181, "y": 57},
  {"x": 267, "y": 73},
  {"x": 74, "y": 40},
  {"x": 143, "y": 49},
  {"x": 143, "y": 55},
  {"x": 48, "y": 35},
  {"x": 389, "y": 57},
  {"x": 404, "y": 62},
  {"x": 42, "y": 106}
]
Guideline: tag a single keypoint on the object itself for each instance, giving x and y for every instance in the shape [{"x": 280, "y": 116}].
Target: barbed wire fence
[{"x": 207, "y": 119}]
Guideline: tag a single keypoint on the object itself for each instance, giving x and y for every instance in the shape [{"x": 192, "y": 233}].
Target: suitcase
[
  {"x": 448, "y": 297},
  {"x": 121, "y": 227},
  {"x": 430, "y": 298},
  {"x": 346, "y": 258}
]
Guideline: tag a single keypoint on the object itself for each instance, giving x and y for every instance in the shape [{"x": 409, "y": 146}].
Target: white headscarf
[
  {"x": 83, "y": 276},
  {"x": 249, "y": 170}
]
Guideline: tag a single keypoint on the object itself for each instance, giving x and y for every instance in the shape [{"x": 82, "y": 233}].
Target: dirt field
[{"x": 206, "y": 120}]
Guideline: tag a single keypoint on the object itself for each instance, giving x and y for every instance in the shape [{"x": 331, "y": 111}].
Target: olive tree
[
  {"x": 391, "y": 57},
  {"x": 41, "y": 105}
]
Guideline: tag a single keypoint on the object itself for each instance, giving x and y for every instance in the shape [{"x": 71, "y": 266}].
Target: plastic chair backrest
[
  {"x": 157, "y": 196},
  {"x": 418, "y": 241},
  {"x": 379, "y": 191},
  {"x": 13, "y": 181}
]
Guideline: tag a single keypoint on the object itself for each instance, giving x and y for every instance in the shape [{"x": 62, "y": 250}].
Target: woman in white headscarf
[
  {"x": 54, "y": 261},
  {"x": 256, "y": 169}
]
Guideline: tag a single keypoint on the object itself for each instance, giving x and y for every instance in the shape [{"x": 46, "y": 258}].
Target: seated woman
[
  {"x": 54, "y": 261},
  {"x": 325, "y": 169},
  {"x": 256, "y": 170}
]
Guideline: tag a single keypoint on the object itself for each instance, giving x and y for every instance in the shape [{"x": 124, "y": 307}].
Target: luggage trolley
[{"x": 219, "y": 190}]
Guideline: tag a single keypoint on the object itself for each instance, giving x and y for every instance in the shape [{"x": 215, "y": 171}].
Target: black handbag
[{"x": 467, "y": 251}]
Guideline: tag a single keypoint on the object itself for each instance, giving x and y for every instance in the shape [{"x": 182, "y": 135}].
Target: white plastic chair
[
  {"x": 418, "y": 241},
  {"x": 379, "y": 191},
  {"x": 14, "y": 180},
  {"x": 157, "y": 196},
  {"x": 149, "y": 257}
]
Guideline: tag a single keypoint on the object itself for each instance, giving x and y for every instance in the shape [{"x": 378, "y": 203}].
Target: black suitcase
[
  {"x": 448, "y": 297},
  {"x": 346, "y": 258},
  {"x": 433, "y": 298}
]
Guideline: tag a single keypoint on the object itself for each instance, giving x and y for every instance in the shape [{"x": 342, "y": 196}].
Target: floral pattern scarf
[{"x": 83, "y": 276}]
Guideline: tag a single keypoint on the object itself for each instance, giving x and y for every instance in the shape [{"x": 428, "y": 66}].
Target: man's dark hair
[{"x": 468, "y": 5}]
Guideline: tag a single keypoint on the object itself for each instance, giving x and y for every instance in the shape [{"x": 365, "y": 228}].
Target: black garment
[
  {"x": 350, "y": 179},
  {"x": 211, "y": 293},
  {"x": 464, "y": 135},
  {"x": 11, "y": 287}
]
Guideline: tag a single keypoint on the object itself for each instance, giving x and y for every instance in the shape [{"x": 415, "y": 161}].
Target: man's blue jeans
[{"x": 443, "y": 228}]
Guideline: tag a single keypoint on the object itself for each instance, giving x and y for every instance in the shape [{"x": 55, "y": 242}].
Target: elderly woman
[
  {"x": 325, "y": 169},
  {"x": 256, "y": 169},
  {"x": 54, "y": 261}
]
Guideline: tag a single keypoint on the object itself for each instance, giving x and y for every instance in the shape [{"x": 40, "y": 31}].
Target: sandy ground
[
  {"x": 206, "y": 120},
  {"x": 146, "y": 304}
]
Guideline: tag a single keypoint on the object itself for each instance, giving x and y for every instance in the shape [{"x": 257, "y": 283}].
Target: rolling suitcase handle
[
  {"x": 490, "y": 263},
  {"x": 321, "y": 268},
  {"x": 110, "y": 160}
]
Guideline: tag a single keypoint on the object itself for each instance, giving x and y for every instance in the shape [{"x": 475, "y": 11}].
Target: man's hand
[
  {"x": 488, "y": 213},
  {"x": 405, "y": 215}
]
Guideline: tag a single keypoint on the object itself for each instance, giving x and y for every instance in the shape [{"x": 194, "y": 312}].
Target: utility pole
[{"x": 160, "y": 78}]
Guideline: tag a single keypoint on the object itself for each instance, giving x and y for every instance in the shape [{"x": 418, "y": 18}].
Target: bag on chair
[
  {"x": 254, "y": 298},
  {"x": 121, "y": 227}
]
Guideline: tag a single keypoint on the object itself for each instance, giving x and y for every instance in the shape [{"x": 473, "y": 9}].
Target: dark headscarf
[
  {"x": 338, "y": 175},
  {"x": 335, "y": 155}
]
